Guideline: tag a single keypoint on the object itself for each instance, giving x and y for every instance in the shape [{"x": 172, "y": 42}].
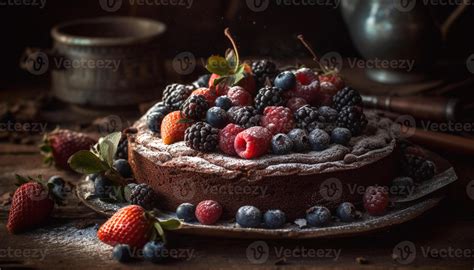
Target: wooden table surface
[{"x": 443, "y": 238}]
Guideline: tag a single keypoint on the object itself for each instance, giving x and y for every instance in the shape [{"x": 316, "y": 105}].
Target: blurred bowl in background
[{"x": 107, "y": 61}]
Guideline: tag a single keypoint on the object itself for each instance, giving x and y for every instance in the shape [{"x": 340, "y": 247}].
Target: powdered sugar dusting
[{"x": 377, "y": 143}]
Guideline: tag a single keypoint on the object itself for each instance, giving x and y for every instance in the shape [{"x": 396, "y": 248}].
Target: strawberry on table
[
  {"x": 31, "y": 205},
  {"x": 130, "y": 225},
  {"x": 60, "y": 144}
]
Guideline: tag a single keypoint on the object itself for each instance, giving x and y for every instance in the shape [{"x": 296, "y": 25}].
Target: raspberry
[
  {"x": 334, "y": 78},
  {"x": 295, "y": 103},
  {"x": 305, "y": 76},
  {"x": 328, "y": 90},
  {"x": 308, "y": 92},
  {"x": 375, "y": 200},
  {"x": 227, "y": 137},
  {"x": 253, "y": 142},
  {"x": 268, "y": 96},
  {"x": 277, "y": 119},
  {"x": 239, "y": 96},
  {"x": 208, "y": 212}
]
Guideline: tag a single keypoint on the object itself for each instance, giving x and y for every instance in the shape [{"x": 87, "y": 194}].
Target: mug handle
[{"x": 453, "y": 17}]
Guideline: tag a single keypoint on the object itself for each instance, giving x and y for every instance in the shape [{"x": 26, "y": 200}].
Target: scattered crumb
[
  {"x": 301, "y": 222},
  {"x": 362, "y": 260}
]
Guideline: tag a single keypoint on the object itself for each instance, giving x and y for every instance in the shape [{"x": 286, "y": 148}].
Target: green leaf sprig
[
  {"x": 99, "y": 159},
  {"x": 229, "y": 68}
]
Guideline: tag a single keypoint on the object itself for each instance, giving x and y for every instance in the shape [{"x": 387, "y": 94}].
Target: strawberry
[
  {"x": 60, "y": 144},
  {"x": 173, "y": 127},
  {"x": 130, "y": 225},
  {"x": 334, "y": 78},
  {"x": 31, "y": 206},
  {"x": 221, "y": 89}
]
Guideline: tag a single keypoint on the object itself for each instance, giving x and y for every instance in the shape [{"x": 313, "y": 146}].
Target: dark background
[{"x": 271, "y": 33}]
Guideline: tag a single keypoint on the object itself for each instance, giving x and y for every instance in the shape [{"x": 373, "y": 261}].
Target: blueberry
[
  {"x": 121, "y": 253},
  {"x": 103, "y": 186},
  {"x": 57, "y": 181},
  {"x": 123, "y": 168},
  {"x": 285, "y": 80},
  {"x": 202, "y": 81},
  {"x": 347, "y": 212},
  {"x": 274, "y": 219},
  {"x": 154, "y": 251},
  {"x": 186, "y": 211},
  {"x": 341, "y": 136},
  {"x": 224, "y": 102},
  {"x": 300, "y": 139},
  {"x": 57, "y": 186},
  {"x": 281, "y": 144},
  {"x": 318, "y": 216},
  {"x": 153, "y": 121},
  {"x": 248, "y": 217},
  {"x": 319, "y": 139},
  {"x": 402, "y": 186},
  {"x": 217, "y": 117}
]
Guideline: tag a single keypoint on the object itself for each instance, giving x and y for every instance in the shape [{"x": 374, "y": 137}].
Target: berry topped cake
[{"x": 255, "y": 135}]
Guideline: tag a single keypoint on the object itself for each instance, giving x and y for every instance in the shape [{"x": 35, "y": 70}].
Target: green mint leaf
[
  {"x": 107, "y": 151},
  {"x": 170, "y": 224},
  {"x": 114, "y": 138},
  {"x": 218, "y": 65},
  {"x": 86, "y": 162},
  {"x": 160, "y": 231}
]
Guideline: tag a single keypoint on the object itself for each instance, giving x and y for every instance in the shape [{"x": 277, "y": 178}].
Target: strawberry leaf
[
  {"x": 170, "y": 224},
  {"x": 160, "y": 231},
  {"x": 218, "y": 65},
  {"x": 239, "y": 74},
  {"x": 86, "y": 162}
]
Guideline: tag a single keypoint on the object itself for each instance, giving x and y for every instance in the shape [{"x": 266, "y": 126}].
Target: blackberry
[
  {"x": 418, "y": 168},
  {"x": 346, "y": 97},
  {"x": 202, "y": 137},
  {"x": 352, "y": 118},
  {"x": 263, "y": 70},
  {"x": 246, "y": 116},
  {"x": 195, "y": 107},
  {"x": 268, "y": 96},
  {"x": 307, "y": 117},
  {"x": 175, "y": 94},
  {"x": 143, "y": 195}
]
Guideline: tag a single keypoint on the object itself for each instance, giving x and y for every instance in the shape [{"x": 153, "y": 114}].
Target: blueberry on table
[
  {"x": 154, "y": 251},
  {"x": 300, "y": 139},
  {"x": 341, "y": 136},
  {"x": 285, "y": 80},
  {"x": 274, "y": 219},
  {"x": 186, "y": 212},
  {"x": 102, "y": 186},
  {"x": 319, "y": 139},
  {"x": 122, "y": 253},
  {"x": 217, "y": 117},
  {"x": 281, "y": 144},
  {"x": 318, "y": 216},
  {"x": 248, "y": 217},
  {"x": 347, "y": 212},
  {"x": 224, "y": 102}
]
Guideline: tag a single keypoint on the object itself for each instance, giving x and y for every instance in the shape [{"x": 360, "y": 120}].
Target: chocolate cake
[{"x": 292, "y": 182}]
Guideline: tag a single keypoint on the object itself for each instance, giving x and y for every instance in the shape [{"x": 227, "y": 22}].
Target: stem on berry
[
  {"x": 311, "y": 51},
  {"x": 229, "y": 36}
]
